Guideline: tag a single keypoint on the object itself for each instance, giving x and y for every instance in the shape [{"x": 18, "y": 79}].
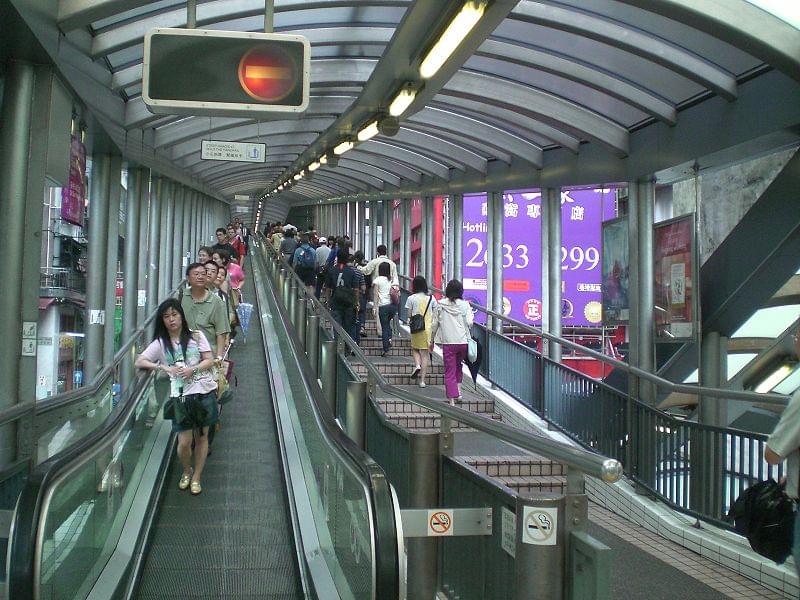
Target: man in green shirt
[{"x": 204, "y": 310}]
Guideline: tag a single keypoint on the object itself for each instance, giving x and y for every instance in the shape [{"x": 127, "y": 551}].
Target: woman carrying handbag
[{"x": 450, "y": 328}]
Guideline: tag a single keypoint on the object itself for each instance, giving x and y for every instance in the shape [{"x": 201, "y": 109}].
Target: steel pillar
[
  {"x": 327, "y": 373},
  {"x": 361, "y": 216},
  {"x": 300, "y": 312},
  {"x": 494, "y": 256},
  {"x": 551, "y": 268},
  {"x": 96, "y": 268},
  {"x": 646, "y": 297},
  {"x": 388, "y": 227},
  {"x": 430, "y": 223},
  {"x": 15, "y": 124},
  {"x": 374, "y": 209},
  {"x": 153, "y": 245},
  {"x": 356, "y": 407},
  {"x": 112, "y": 257},
  {"x": 405, "y": 237},
  {"x": 457, "y": 221},
  {"x": 423, "y": 483},
  {"x": 144, "y": 229},
  {"x": 130, "y": 269},
  {"x": 312, "y": 342}
]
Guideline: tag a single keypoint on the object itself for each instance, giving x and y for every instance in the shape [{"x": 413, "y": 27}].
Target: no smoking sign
[
  {"x": 540, "y": 525},
  {"x": 440, "y": 522}
]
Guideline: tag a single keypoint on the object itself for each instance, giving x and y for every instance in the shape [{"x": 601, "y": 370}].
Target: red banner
[
  {"x": 673, "y": 257},
  {"x": 72, "y": 196}
]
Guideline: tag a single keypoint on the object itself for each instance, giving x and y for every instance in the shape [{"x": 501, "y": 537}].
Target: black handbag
[
  {"x": 417, "y": 322},
  {"x": 764, "y": 514}
]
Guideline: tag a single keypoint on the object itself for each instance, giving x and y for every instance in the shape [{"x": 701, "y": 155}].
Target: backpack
[
  {"x": 343, "y": 297},
  {"x": 307, "y": 258},
  {"x": 764, "y": 514}
]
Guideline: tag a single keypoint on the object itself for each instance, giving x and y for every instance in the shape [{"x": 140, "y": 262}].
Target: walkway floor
[{"x": 646, "y": 565}]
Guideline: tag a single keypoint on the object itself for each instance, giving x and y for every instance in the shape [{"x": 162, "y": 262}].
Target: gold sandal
[
  {"x": 196, "y": 488},
  {"x": 185, "y": 480}
]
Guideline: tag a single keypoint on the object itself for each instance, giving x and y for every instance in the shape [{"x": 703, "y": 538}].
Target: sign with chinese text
[
  {"x": 233, "y": 151},
  {"x": 582, "y": 212},
  {"x": 673, "y": 275},
  {"x": 72, "y": 196}
]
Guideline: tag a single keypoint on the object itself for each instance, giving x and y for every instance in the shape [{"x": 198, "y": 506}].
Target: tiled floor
[{"x": 728, "y": 583}]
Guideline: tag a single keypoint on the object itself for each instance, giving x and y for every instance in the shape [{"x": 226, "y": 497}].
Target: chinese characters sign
[
  {"x": 73, "y": 194},
  {"x": 673, "y": 274},
  {"x": 581, "y": 214}
]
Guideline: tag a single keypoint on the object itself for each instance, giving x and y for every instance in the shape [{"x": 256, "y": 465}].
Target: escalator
[{"x": 290, "y": 508}]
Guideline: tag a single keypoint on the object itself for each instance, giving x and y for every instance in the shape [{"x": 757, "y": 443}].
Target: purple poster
[
  {"x": 582, "y": 212},
  {"x": 73, "y": 194}
]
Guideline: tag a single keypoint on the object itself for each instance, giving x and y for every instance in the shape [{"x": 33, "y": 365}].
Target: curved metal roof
[{"x": 541, "y": 91}]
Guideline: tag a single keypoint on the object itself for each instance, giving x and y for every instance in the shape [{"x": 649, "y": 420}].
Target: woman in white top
[
  {"x": 382, "y": 301},
  {"x": 450, "y": 328},
  {"x": 420, "y": 303},
  {"x": 186, "y": 357}
]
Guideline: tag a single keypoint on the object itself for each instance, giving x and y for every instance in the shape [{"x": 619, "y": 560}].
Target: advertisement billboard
[
  {"x": 673, "y": 274},
  {"x": 616, "y": 272},
  {"x": 582, "y": 212}
]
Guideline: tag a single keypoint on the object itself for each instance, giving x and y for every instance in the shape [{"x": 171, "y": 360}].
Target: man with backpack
[
  {"x": 343, "y": 289},
  {"x": 305, "y": 263}
]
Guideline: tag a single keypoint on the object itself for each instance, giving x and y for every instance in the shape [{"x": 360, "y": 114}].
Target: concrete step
[
  {"x": 532, "y": 485},
  {"x": 427, "y": 420},
  {"x": 376, "y": 342},
  {"x": 515, "y": 466},
  {"x": 378, "y": 350},
  {"x": 393, "y": 405}
]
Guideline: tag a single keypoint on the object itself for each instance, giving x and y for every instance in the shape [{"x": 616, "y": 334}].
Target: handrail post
[
  {"x": 540, "y": 558},
  {"x": 292, "y": 301},
  {"x": 328, "y": 373},
  {"x": 300, "y": 311},
  {"x": 312, "y": 342},
  {"x": 355, "y": 411},
  {"x": 423, "y": 484}
]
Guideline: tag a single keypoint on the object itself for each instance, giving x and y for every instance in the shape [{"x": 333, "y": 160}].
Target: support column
[
  {"x": 153, "y": 244},
  {"x": 388, "y": 224},
  {"x": 169, "y": 238},
  {"x": 457, "y": 216},
  {"x": 374, "y": 209},
  {"x": 14, "y": 151},
  {"x": 494, "y": 256},
  {"x": 646, "y": 330},
  {"x": 144, "y": 230},
  {"x": 405, "y": 237},
  {"x": 714, "y": 374},
  {"x": 130, "y": 268},
  {"x": 95, "y": 316},
  {"x": 177, "y": 246},
  {"x": 551, "y": 269},
  {"x": 427, "y": 241},
  {"x": 361, "y": 216},
  {"x": 112, "y": 257},
  {"x": 423, "y": 483}
]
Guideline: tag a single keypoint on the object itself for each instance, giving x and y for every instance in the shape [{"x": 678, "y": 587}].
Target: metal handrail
[
  {"x": 590, "y": 463},
  {"x": 706, "y": 392},
  {"x": 40, "y": 407}
]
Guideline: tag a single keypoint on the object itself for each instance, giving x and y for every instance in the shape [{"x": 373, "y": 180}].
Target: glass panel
[
  {"x": 88, "y": 507},
  {"x": 785, "y": 11},
  {"x": 737, "y": 362},
  {"x": 769, "y": 322}
]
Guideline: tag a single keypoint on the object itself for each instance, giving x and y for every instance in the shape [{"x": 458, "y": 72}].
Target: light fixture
[
  {"x": 389, "y": 126},
  {"x": 782, "y": 372},
  {"x": 343, "y": 147},
  {"x": 368, "y": 132},
  {"x": 313, "y": 167},
  {"x": 297, "y": 176},
  {"x": 323, "y": 160},
  {"x": 402, "y": 101},
  {"x": 455, "y": 33},
  {"x": 280, "y": 188}
]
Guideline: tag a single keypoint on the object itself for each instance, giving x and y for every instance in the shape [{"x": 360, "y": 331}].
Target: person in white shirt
[
  {"x": 783, "y": 444},
  {"x": 450, "y": 328},
  {"x": 372, "y": 265},
  {"x": 382, "y": 303},
  {"x": 423, "y": 304}
]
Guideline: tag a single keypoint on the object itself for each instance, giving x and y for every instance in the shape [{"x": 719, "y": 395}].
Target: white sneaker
[{"x": 422, "y": 384}]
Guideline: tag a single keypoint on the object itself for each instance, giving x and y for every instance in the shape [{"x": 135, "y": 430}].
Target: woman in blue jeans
[{"x": 381, "y": 287}]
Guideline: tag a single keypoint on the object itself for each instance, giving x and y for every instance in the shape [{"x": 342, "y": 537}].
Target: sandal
[
  {"x": 196, "y": 488},
  {"x": 185, "y": 481}
]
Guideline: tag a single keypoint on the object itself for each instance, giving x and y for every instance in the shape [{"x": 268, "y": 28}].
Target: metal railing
[
  {"x": 62, "y": 279},
  {"x": 696, "y": 468}
]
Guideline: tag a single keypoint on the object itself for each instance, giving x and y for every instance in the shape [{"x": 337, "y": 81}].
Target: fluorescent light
[
  {"x": 775, "y": 378},
  {"x": 298, "y": 176},
  {"x": 280, "y": 188},
  {"x": 402, "y": 101},
  {"x": 323, "y": 160},
  {"x": 313, "y": 166},
  {"x": 370, "y": 131},
  {"x": 456, "y": 31},
  {"x": 343, "y": 147}
]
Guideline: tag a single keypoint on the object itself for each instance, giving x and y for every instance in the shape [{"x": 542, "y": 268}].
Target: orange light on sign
[{"x": 267, "y": 74}]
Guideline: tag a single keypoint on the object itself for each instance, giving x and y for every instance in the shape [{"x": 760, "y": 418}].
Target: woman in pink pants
[{"x": 450, "y": 329}]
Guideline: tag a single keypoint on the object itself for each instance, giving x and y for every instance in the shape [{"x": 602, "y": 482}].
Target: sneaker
[
  {"x": 415, "y": 372},
  {"x": 422, "y": 384}
]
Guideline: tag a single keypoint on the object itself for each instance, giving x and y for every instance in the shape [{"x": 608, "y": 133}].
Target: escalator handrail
[
  {"x": 596, "y": 465},
  {"x": 25, "y": 539},
  {"x": 386, "y": 557},
  {"x": 709, "y": 392}
]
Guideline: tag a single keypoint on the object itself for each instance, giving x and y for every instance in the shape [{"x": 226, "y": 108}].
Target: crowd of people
[
  {"x": 352, "y": 288},
  {"x": 193, "y": 334}
]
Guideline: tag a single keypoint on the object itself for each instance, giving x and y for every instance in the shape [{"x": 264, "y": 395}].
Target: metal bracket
[{"x": 446, "y": 522}]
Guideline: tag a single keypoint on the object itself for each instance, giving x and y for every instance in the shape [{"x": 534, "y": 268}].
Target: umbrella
[
  {"x": 475, "y": 366},
  {"x": 244, "y": 310}
]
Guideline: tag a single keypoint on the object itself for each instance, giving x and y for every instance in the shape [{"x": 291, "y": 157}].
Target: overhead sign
[
  {"x": 234, "y": 73},
  {"x": 233, "y": 151}
]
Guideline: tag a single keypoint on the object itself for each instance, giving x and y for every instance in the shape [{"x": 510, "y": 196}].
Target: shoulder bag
[
  {"x": 417, "y": 322},
  {"x": 472, "y": 343}
]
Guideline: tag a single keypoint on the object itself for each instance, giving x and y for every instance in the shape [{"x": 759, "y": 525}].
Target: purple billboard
[{"x": 582, "y": 212}]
